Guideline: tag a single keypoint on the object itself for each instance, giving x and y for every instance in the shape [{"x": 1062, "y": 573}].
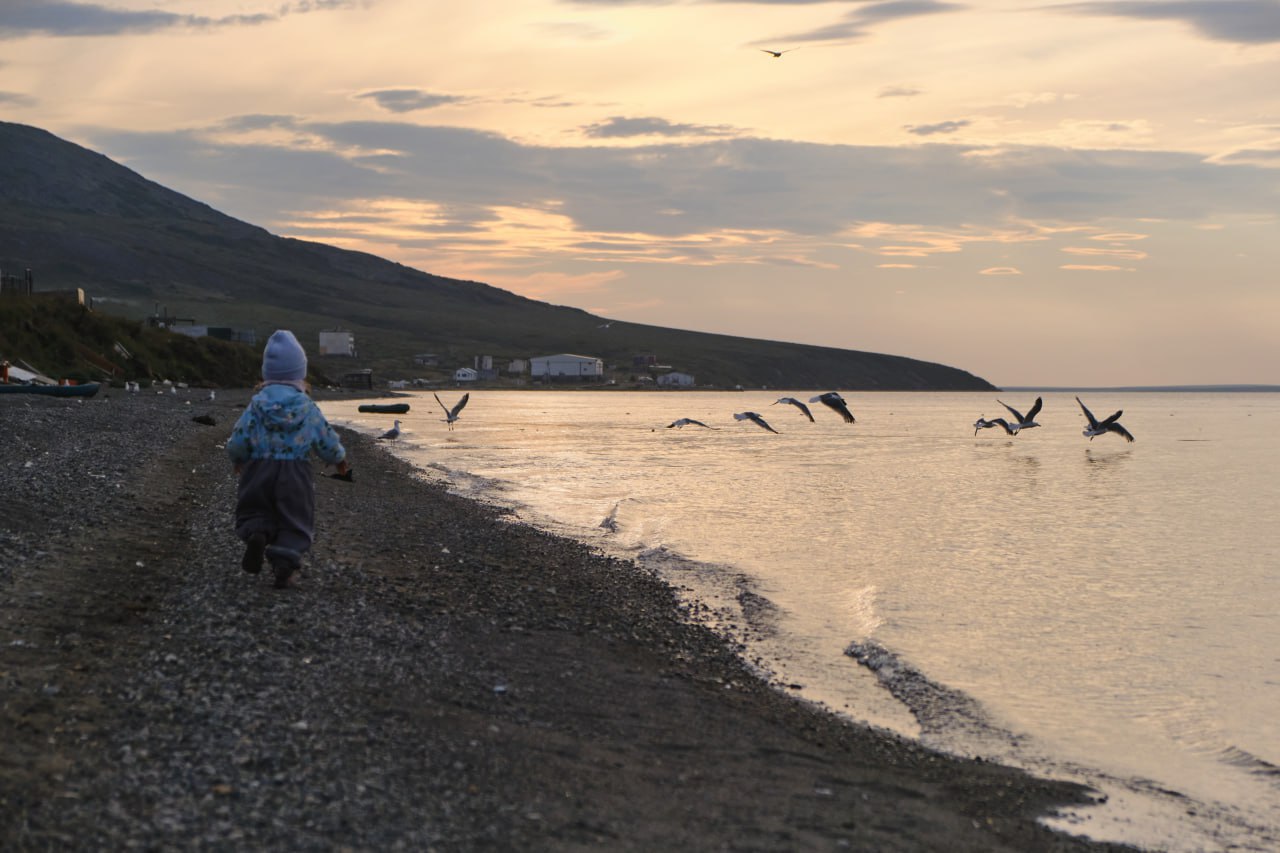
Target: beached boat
[
  {"x": 385, "y": 408},
  {"x": 86, "y": 390}
]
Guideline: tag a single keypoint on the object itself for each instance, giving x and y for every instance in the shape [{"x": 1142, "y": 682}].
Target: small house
[
  {"x": 466, "y": 374},
  {"x": 675, "y": 379}
]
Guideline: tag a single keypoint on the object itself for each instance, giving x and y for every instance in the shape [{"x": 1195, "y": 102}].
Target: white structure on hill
[
  {"x": 337, "y": 342},
  {"x": 466, "y": 374},
  {"x": 566, "y": 366},
  {"x": 675, "y": 379}
]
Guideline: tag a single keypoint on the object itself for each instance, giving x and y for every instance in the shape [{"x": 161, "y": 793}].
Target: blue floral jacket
[{"x": 283, "y": 423}]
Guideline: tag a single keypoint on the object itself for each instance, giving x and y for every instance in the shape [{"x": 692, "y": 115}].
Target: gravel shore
[{"x": 440, "y": 679}]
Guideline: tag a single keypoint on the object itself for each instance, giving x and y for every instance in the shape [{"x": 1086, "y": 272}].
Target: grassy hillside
[
  {"x": 64, "y": 340},
  {"x": 79, "y": 220}
]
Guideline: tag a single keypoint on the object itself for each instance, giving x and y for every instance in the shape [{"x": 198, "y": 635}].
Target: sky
[{"x": 1041, "y": 193}]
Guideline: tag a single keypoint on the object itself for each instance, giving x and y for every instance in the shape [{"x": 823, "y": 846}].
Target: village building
[
  {"x": 566, "y": 367},
  {"x": 338, "y": 342},
  {"x": 466, "y": 374},
  {"x": 675, "y": 379}
]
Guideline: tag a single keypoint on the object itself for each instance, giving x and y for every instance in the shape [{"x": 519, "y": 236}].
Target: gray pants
[{"x": 277, "y": 497}]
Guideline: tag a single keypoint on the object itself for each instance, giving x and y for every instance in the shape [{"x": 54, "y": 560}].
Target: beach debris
[{"x": 207, "y": 420}]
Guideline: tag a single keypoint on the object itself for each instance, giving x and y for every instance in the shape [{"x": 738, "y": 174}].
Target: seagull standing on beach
[
  {"x": 1019, "y": 422},
  {"x": 757, "y": 420},
  {"x": 983, "y": 423},
  {"x": 794, "y": 402},
  {"x": 1111, "y": 424},
  {"x": 684, "y": 422},
  {"x": 836, "y": 403},
  {"x": 451, "y": 415},
  {"x": 391, "y": 434}
]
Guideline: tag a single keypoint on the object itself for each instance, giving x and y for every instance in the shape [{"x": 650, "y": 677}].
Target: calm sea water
[{"x": 1094, "y": 610}]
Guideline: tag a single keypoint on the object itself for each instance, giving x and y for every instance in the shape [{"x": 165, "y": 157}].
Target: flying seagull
[
  {"x": 836, "y": 403},
  {"x": 1019, "y": 421},
  {"x": 1111, "y": 424},
  {"x": 777, "y": 54},
  {"x": 391, "y": 434},
  {"x": 756, "y": 419},
  {"x": 793, "y": 401},
  {"x": 684, "y": 422},
  {"x": 451, "y": 415},
  {"x": 983, "y": 423}
]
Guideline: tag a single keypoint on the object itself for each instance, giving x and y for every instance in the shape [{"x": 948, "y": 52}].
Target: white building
[
  {"x": 465, "y": 374},
  {"x": 337, "y": 342},
  {"x": 675, "y": 379},
  {"x": 567, "y": 366},
  {"x": 517, "y": 366}
]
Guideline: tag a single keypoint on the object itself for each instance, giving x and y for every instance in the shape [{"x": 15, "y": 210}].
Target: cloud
[
  {"x": 857, "y": 24},
  {"x": 697, "y": 201},
  {"x": 618, "y": 127},
  {"x": 899, "y": 92},
  {"x": 1091, "y": 251},
  {"x": 939, "y": 127},
  {"x": 410, "y": 100},
  {"x": 1238, "y": 21},
  {"x": 17, "y": 99},
  {"x": 1000, "y": 271},
  {"x": 20, "y": 18},
  {"x": 1095, "y": 268}
]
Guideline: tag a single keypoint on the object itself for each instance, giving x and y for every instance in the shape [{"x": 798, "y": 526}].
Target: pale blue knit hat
[{"x": 284, "y": 358}]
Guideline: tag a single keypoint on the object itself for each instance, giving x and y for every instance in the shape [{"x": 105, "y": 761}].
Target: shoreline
[{"x": 442, "y": 678}]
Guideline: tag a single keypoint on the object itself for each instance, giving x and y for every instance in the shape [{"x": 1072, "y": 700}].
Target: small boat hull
[{"x": 86, "y": 390}]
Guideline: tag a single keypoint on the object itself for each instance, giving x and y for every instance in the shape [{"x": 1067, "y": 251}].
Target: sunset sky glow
[{"x": 1043, "y": 193}]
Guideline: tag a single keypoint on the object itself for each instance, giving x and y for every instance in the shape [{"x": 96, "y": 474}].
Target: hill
[{"x": 80, "y": 220}]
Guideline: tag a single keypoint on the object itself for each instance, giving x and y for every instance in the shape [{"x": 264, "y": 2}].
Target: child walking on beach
[{"x": 270, "y": 447}]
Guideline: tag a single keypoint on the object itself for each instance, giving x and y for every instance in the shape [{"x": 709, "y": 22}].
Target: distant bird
[
  {"x": 684, "y": 422},
  {"x": 173, "y": 390},
  {"x": 983, "y": 423},
  {"x": 793, "y": 401},
  {"x": 213, "y": 395},
  {"x": 451, "y": 415},
  {"x": 1019, "y": 422},
  {"x": 777, "y": 54},
  {"x": 757, "y": 420},
  {"x": 1111, "y": 424},
  {"x": 605, "y": 325},
  {"x": 391, "y": 434},
  {"x": 836, "y": 403}
]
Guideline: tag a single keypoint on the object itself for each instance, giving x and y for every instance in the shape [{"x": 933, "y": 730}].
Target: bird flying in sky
[
  {"x": 794, "y": 402},
  {"x": 1111, "y": 424},
  {"x": 757, "y": 420},
  {"x": 836, "y": 403},
  {"x": 777, "y": 54}
]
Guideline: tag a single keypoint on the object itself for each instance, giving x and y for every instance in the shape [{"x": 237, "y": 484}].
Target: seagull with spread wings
[
  {"x": 451, "y": 415},
  {"x": 836, "y": 403},
  {"x": 1102, "y": 427},
  {"x": 755, "y": 419}
]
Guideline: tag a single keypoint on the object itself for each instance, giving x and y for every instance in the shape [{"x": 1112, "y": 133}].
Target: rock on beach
[{"x": 440, "y": 679}]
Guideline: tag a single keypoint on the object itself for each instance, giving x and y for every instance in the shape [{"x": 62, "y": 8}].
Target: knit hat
[{"x": 284, "y": 358}]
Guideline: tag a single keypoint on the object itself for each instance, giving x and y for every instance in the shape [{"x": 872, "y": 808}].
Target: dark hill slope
[{"x": 77, "y": 219}]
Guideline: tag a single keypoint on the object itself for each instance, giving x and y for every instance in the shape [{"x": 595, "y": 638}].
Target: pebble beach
[{"x": 440, "y": 678}]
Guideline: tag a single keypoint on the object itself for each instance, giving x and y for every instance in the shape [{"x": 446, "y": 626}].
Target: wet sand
[{"x": 441, "y": 678}]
